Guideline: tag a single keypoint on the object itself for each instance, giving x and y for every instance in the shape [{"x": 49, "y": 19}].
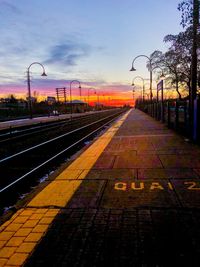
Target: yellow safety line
[{"x": 20, "y": 234}]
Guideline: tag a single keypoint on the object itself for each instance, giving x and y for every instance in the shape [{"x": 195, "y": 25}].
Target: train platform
[{"x": 132, "y": 198}]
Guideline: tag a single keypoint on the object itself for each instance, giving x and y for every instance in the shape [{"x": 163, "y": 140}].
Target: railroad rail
[
  {"x": 15, "y": 132},
  {"x": 40, "y": 159},
  {"x": 23, "y": 141}
]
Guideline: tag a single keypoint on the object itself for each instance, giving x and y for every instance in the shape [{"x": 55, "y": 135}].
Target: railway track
[
  {"x": 16, "y": 132},
  {"x": 22, "y": 170},
  {"x": 23, "y": 141}
]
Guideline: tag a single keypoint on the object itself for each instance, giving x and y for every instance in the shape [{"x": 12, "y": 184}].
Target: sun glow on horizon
[{"x": 110, "y": 95}]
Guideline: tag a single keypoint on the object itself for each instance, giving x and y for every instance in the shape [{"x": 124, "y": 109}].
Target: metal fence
[{"x": 176, "y": 115}]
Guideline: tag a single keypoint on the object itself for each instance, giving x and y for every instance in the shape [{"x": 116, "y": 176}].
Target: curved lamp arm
[
  {"x": 162, "y": 74},
  {"x": 137, "y": 77},
  {"x": 133, "y": 69},
  {"x": 43, "y": 74},
  {"x": 150, "y": 70}
]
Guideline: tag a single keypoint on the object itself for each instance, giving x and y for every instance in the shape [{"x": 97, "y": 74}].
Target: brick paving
[
  {"x": 121, "y": 237},
  {"x": 137, "y": 206}
]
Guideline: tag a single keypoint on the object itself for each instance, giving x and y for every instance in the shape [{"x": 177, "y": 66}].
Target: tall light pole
[
  {"x": 89, "y": 93},
  {"x": 133, "y": 96},
  {"x": 139, "y": 77},
  {"x": 70, "y": 87},
  {"x": 108, "y": 101},
  {"x": 150, "y": 71},
  {"x": 97, "y": 104},
  {"x": 193, "y": 90},
  {"x": 148, "y": 95},
  {"x": 104, "y": 100},
  {"x": 195, "y": 25},
  {"x": 29, "y": 85}
]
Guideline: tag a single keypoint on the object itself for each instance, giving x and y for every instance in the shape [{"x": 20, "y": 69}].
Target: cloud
[
  {"x": 68, "y": 53},
  {"x": 48, "y": 84},
  {"x": 8, "y": 7}
]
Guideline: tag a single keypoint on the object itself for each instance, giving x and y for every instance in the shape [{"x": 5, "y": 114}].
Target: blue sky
[{"x": 89, "y": 40}]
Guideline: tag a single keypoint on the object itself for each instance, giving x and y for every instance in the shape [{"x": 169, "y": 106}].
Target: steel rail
[
  {"x": 55, "y": 156},
  {"x": 18, "y": 128},
  {"x": 40, "y": 125},
  {"x": 33, "y": 127},
  {"x": 48, "y": 126},
  {"x": 56, "y": 138},
  {"x": 34, "y": 130}
]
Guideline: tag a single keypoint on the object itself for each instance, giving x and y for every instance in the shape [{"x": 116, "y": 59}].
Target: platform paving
[{"x": 133, "y": 201}]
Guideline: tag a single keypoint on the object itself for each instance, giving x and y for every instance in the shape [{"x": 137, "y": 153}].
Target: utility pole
[
  {"x": 193, "y": 92},
  {"x": 61, "y": 93},
  {"x": 194, "y": 48},
  {"x": 29, "y": 95}
]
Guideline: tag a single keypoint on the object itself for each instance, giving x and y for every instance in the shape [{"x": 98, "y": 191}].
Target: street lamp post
[
  {"x": 97, "y": 104},
  {"x": 193, "y": 90},
  {"x": 139, "y": 77},
  {"x": 71, "y": 95},
  {"x": 89, "y": 93},
  {"x": 133, "y": 96},
  {"x": 146, "y": 94},
  {"x": 29, "y": 85},
  {"x": 104, "y": 100},
  {"x": 150, "y": 71}
]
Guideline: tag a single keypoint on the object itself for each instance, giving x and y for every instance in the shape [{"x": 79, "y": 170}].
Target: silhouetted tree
[
  {"x": 13, "y": 99},
  {"x": 186, "y": 8},
  {"x": 190, "y": 18}
]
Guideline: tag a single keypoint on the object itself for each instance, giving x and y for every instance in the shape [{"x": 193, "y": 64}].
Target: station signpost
[{"x": 160, "y": 88}]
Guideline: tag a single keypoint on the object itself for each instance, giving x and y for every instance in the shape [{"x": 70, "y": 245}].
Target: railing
[{"x": 175, "y": 114}]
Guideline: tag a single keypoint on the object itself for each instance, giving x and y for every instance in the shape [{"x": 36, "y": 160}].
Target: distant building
[
  {"x": 51, "y": 100},
  {"x": 78, "y": 106}
]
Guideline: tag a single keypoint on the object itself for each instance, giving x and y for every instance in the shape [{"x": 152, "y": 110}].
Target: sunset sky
[{"x": 90, "y": 40}]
